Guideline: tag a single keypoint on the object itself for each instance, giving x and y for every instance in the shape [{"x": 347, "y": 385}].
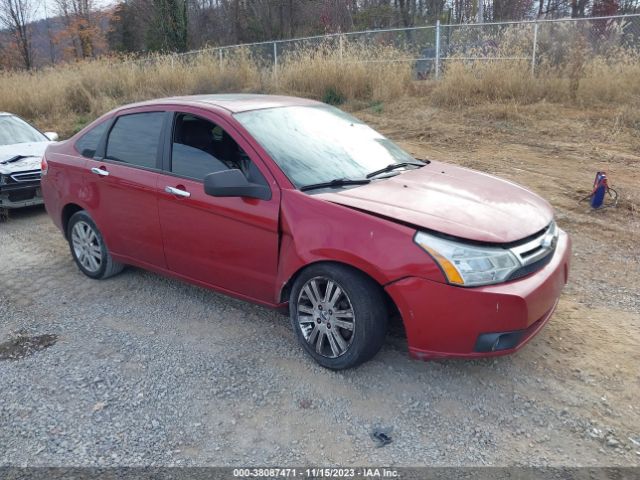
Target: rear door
[
  {"x": 230, "y": 243},
  {"x": 123, "y": 176}
]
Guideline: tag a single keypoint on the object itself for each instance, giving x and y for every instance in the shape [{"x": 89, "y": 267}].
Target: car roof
[{"x": 233, "y": 102}]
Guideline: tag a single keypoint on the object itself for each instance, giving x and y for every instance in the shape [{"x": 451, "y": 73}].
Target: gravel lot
[{"x": 151, "y": 371}]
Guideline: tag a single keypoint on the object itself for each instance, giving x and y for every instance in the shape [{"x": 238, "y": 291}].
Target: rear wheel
[
  {"x": 88, "y": 248},
  {"x": 338, "y": 314}
]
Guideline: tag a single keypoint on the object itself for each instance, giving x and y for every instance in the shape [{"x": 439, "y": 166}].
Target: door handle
[
  {"x": 100, "y": 171},
  {"x": 177, "y": 192}
]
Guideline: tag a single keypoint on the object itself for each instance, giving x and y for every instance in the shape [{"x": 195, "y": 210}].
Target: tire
[
  {"x": 324, "y": 328},
  {"x": 88, "y": 248}
]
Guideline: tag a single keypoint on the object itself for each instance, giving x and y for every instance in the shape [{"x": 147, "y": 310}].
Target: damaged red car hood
[{"x": 452, "y": 200}]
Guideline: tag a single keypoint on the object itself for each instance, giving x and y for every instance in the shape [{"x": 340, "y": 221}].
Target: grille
[
  {"x": 536, "y": 253},
  {"x": 26, "y": 176},
  {"x": 532, "y": 267},
  {"x": 21, "y": 195}
]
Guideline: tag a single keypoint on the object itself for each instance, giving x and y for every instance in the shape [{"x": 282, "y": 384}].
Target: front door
[{"x": 227, "y": 242}]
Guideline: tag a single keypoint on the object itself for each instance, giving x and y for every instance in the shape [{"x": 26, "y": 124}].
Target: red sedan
[{"x": 284, "y": 201}]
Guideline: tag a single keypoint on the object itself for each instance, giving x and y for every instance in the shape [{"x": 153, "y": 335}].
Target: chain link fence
[{"x": 430, "y": 49}]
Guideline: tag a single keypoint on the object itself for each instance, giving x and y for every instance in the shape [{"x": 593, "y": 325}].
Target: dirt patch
[{"x": 24, "y": 346}]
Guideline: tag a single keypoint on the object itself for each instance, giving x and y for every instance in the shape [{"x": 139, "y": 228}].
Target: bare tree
[
  {"x": 52, "y": 51},
  {"x": 510, "y": 9},
  {"x": 630, "y": 6},
  {"x": 16, "y": 16},
  {"x": 225, "y": 22},
  {"x": 578, "y": 8}
]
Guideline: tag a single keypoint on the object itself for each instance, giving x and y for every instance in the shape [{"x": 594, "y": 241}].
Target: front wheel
[
  {"x": 88, "y": 248},
  {"x": 339, "y": 315}
]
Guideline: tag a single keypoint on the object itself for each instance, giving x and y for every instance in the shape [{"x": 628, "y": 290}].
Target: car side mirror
[
  {"x": 233, "y": 183},
  {"x": 53, "y": 136}
]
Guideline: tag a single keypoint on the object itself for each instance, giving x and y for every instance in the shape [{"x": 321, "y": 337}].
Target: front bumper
[
  {"x": 443, "y": 320},
  {"x": 20, "y": 196}
]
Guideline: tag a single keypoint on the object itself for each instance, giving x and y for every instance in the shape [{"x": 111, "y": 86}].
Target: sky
[{"x": 49, "y": 6}]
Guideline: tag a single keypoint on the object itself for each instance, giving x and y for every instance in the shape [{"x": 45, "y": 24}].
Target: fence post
[
  {"x": 535, "y": 47},
  {"x": 341, "y": 47},
  {"x": 220, "y": 57},
  {"x": 275, "y": 62},
  {"x": 437, "y": 49}
]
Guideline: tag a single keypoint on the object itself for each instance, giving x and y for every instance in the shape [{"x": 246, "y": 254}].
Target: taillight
[{"x": 44, "y": 166}]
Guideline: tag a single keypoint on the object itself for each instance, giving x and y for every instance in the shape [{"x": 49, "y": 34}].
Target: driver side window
[{"x": 200, "y": 147}]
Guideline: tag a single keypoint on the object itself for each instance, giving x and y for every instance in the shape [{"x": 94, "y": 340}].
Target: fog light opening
[{"x": 495, "y": 342}]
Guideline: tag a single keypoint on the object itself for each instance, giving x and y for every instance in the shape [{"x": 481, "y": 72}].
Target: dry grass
[
  {"x": 611, "y": 80},
  {"x": 67, "y": 97},
  {"x": 358, "y": 73},
  {"x": 495, "y": 81},
  {"x": 598, "y": 81}
]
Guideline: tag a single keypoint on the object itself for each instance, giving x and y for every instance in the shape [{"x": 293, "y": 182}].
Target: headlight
[{"x": 469, "y": 265}]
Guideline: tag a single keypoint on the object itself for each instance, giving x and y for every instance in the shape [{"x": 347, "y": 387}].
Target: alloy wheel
[
  {"x": 326, "y": 317},
  {"x": 86, "y": 246}
]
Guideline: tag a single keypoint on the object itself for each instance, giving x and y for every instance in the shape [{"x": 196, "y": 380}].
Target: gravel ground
[{"x": 150, "y": 371}]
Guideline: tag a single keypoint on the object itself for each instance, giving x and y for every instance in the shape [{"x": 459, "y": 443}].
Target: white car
[{"x": 21, "y": 150}]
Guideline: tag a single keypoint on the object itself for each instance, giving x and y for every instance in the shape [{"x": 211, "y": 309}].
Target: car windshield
[
  {"x": 315, "y": 144},
  {"x": 14, "y": 130}
]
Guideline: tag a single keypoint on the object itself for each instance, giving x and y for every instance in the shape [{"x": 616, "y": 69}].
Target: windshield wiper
[
  {"x": 336, "y": 182},
  {"x": 393, "y": 166},
  {"x": 14, "y": 159}
]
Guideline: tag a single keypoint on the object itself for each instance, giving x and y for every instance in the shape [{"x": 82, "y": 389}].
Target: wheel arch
[
  {"x": 67, "y": 212},
  {"x": 285, "y": 291}
]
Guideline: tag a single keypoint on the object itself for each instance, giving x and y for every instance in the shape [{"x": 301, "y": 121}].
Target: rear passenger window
[
  {"x": 135, "y": 138},
  {"x": 88, "y": 142}
]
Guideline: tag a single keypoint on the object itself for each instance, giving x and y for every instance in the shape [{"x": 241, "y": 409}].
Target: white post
[
  {"x": 480, "y": 11},
  {"x": 437, "y": 49},
  {"x": 341, "y": 47},
  {"x": 220, "y": 57},
  {"x": 275, "y": 62},
  {"x": 535, "y": 48}
]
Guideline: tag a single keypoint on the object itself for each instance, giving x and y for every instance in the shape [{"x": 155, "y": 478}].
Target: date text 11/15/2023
[{"x": 338, "y": 473}]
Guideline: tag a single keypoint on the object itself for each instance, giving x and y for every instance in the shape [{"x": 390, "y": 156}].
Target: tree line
[{"x": 76, "y": 29}]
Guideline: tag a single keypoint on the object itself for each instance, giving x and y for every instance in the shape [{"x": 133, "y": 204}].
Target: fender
[{"x": 310, "y": 234}]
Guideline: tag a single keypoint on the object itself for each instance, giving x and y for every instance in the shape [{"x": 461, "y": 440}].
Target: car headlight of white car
[{"x": 466, "y": 264}]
